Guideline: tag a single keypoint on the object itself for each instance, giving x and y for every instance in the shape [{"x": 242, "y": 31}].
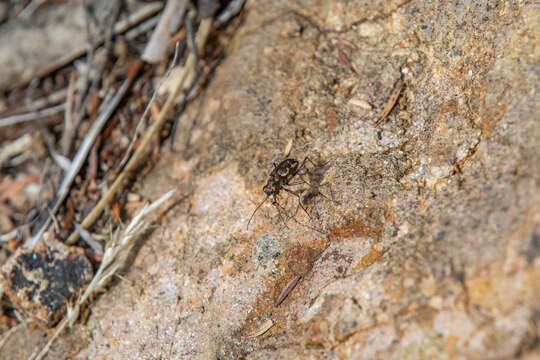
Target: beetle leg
[
  {"x": 279, "y": 208},
  {"x": 299, "y": 201},
  {"x": 302, "y": 181},
  {"x": 304, "y": 163},
  {"x": 296, "y": 183}
]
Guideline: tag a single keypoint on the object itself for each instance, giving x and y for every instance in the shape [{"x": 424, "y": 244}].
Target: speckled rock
[
  {"x": 425, "y": 245},
  {"x": 264, "y": 254}
]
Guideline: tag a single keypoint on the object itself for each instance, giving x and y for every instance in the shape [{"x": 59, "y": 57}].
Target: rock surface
[{"x": 426, "y": 245}]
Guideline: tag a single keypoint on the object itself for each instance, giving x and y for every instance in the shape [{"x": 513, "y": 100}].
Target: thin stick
[
  {"x": 38, "y": 104},
  {"x": 202, "y": 34},
  {"x": 86, "y": 93},
  {"x": 142, "y": 28},
  {"x": 147, "y": 108},
  {"x": 32, "y": 116},
  {"x": 91, "y": 44},
  {"x": 232, "y": 9},
  {"x": 21, "y": 145},
  {"x": 190, "y": 38},
  {"x": 68, "y": 115}
]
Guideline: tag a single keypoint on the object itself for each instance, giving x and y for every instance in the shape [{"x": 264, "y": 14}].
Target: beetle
[{"x": 279, "y": 179}]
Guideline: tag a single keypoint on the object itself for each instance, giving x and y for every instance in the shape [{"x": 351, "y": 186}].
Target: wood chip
[
  {"x": 133, "y": 197},
  {"x": 287, "y": 289},
  {"x": 264, "y": 327},
  {"x": 360, "y": 103},
  {"x": 391, "y": 102},
  {"x": 288, "y": 148}
]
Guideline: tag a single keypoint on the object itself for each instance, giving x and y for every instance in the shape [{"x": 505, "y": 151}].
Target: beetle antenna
[{"x": 254, "y": 211}]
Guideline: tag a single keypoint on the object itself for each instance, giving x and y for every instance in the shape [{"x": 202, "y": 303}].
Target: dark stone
[{"x": 42, "y": 280}]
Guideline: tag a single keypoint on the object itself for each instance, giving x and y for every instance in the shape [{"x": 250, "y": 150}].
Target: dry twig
[
  {"x": 232, "y": 9},
  {"x": 68, "y": 115},
  {"x": 149, "y": 105},
  {"x": 38, "y": 104},
  {"x": 156, "y": 48},
  {"x": 35, "y": 115}
]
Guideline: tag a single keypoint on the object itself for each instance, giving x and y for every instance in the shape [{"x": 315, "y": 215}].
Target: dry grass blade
[
  {"x": 11, "y": 331},
  {"x": 116, "y": 252},
  {"x": 68, "y": 114},
  {"x": 38, "y": 104},
  {"x": 148, "y": 106}
]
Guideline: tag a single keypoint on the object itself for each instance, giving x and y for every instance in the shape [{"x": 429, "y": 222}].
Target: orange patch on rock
[
  {"x": 353, "y": 228},
  {"x": 369, "y": 258}
]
